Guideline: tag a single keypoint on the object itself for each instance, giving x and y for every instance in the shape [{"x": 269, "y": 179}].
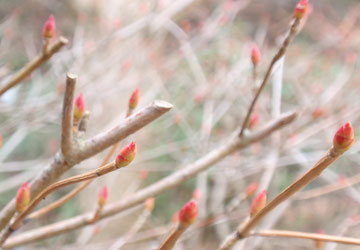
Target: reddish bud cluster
[
  {"x": 79, "y": 109},
  {"x": 255, "y": 55},
  {"x": 188, "y": 213},
  {"x": 301, "y": 8},
  {"x": 126, "y": 155},
  {"x": 103, "y": 196},
  {"x": 134, "y": 99},
  {"x": 344, "y": 138},
  {"x": 23, "y": 197},
  {"x": 49, "y": 27},
  {"x": 258, "y": 203}
]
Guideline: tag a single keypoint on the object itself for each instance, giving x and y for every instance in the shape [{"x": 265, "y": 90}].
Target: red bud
[
  {"x": 251, "y": 189},
  {"x": 253, "y": 120},
  {"x": 258, "y": 203},
  {"x": 344, "y": 138},
  {"x": 1, "y": 140},
  {"x": 23, "y": 197},
  {"x": 103, "y": 196},
  {"x": 150, "y": 203},
  {"x": 79, "y": 109},
  {"x": 49, "y": 27},
  {"x": 301, "y": 8},
  {"x": 255, "y": 55},
  {"x": 134, "y": 99},
  {"x": 126, "y": 155},
  {"x": 188, "y": 213}
]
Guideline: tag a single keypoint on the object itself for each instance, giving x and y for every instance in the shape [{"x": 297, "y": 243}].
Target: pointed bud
[
  {"x": 251, "y": 189},
  {"x": 79, "y": 109},
  {"x": 253, "y": 120},
  {"x": 23, "y": 197},
  {"x": 255, "y": 55},
  {"x": 258, "y": 203},
  {"x": 103, "y": 196},
  {"x": 134, "y": 99},
  {"x": 49, "y": 27},
  {"x": 301, "y": 8},
  {"x": 344, "y": 138},
  {"x": 188, "y": 213},
  {"x": 150, "y": 203},
  {"x": 196, "y": 194},
  {"x": 126, "y": 155}
]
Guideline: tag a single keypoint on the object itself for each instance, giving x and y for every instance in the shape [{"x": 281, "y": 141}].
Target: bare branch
[
  {"x": 67, "y": 116},
  {"x": 31, "y": 66},
  {"x": 169, "y": 182}
]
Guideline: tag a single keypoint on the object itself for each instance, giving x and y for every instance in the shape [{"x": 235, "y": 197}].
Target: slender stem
[
  {"x": 309, "y": 236},
  {"x": 67, "y": 116},
  {"x": 167, "y": 183},
  {"x": 52, "y": 188},
  {"x": 313, "y": 173},
  {"x": 279, "y": 54},
  {"x": 170, "y": 241},
  {"x": 32, "y": 65}
]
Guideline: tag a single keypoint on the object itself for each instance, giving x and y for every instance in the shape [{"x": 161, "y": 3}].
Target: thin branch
[
  {"x": 32, "y": 65},
  {"x": 52, "y": 188},
  {"x": 279, "y": 54},
  {"x": 67, "y": 116},
  {"x": 59, "y": 166},
  {"x": 331, "y": 156},
  {"x": 186, "y": 172},
  {"x": 170, "y": 241},
  {"x": 309, "y": 236}
]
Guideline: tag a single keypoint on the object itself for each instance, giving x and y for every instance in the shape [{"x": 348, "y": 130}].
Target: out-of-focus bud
[
  {"x": 344, "y": 138},
  {"x": 318, "y": 243},
  {"x": 258, "y": 203},
  {"x": 318, "y": 112},
  {"x": 301, "y": 8},
  {"x": 134, "y": 99},
  {"x": 251, "y": 189},
  {"x": 253, "y": 120},
  {"x": 144, "y": 173},
  {"x": 103, "y": 196},
  {"x": 126, "y": 155},
  {"x": 255, "y": 55},
  {"x": 49, "y": 27},
  {"x": 79, "y": 109},
  {"x": 150, "y": 203},
  {"x": 23, "y": 197},
  {"x": 175, "y": 218},
  {"x": 1, "y": 140},
  {"x": 196, "y": 194},
  {"x": 188, "y": 213}
]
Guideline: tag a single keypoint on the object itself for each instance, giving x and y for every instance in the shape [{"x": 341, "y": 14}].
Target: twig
[
  {"x": 67, "y": 116},
  {"x": 171, "y": 181},
  {"x": 170, "y": 241},
  {"x": 244, "y": 229},
  {"x": 309, "y": 236},
  {"x": 93, "y": 146},
  {"x": 279, "y": 54},
  {"x": 52, "y": 188},
  {"x": 31, "y": 66}
]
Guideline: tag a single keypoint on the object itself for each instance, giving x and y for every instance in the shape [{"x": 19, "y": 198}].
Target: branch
[
  {"x": 279, "y": 54},
  {"x": 309, "y": 236},
  {"x": 169, "y": 182},
  {"x": 31, "y": 66},
  {"x": 67, "y": 116},
  {"x": 59, "y": 166}
]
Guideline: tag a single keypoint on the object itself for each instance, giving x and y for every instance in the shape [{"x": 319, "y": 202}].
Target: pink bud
[
  {"x": 150, "y": 203},
  {"x": 188, "y": 213},
  {"x": 143, "y": 174},
  {"x": 253, "y": 120},
  {"x": 49, "y": 27},
  {"x": 301, "y": 8},
  {"x": 255, "y": 55},
  {"x": 258, "y": 203},
  {"x": 79, "y": 109},
  {"x": 1, "y": 140},
  {"x": 126, "y": 155},
  {"x": 134, "y": 99},
  {"x": 175, "y": 218},
  {"x": 251, "y": 189},
  {"x": 23, "y": 197},
  {"x": 344, "y": 138},
  {"x": 196, "y": 194},
  {"x": 103, "y": 196}
]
